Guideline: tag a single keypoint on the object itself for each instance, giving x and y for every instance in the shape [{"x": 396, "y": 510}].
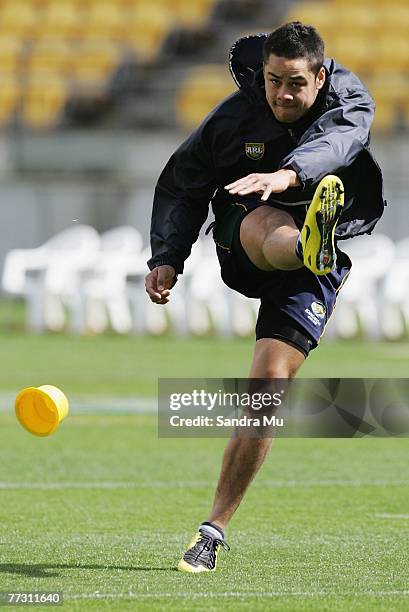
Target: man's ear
[{"x": 320, "y": 78}]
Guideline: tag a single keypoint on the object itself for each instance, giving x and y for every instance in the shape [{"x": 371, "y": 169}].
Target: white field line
[
  {"x": 199, "y": 484},
  {"x": 96, "y": 405},
  {"x": 235, "y": 594},
  {"x": 389, "y": 515}
]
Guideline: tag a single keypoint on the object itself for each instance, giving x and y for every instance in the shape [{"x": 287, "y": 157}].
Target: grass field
[
  {"x": 102, "y": 509},
  {"x": 126, "y": 366}
]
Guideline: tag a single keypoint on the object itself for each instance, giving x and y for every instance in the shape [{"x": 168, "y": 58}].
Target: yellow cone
[{"x": 41, "y": 409}]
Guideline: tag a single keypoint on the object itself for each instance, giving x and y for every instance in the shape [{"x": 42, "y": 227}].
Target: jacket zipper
[{"x": 293, "y": 136}]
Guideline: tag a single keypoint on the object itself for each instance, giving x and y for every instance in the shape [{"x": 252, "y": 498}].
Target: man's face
[{"x": 291, "y": 87}]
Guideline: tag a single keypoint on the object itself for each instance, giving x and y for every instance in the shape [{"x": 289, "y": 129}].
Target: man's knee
[
  {"x": 267, "y": 236},
  {"x": 274, "y": 358},
  {"x": 279, "y": 370},
  {"x": 253, "y": 234}
]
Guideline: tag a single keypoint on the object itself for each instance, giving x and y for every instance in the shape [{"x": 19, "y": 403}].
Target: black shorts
[{"x": 295, "y": 305}]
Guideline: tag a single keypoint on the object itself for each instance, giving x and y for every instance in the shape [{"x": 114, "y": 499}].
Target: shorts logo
[
  {"x": 254, "y": 150},
  {"x": 316, "y": 313},
  {"x": 318, "y": 309}
]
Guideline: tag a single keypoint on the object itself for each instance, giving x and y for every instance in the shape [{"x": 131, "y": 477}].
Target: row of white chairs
[
  {"x": 75, "y": 279},
  {"x": 86, "y": 282},
  {"x": 374, "y": 301}
]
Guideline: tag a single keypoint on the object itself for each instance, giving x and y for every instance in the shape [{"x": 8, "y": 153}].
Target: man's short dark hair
[{"x": 293, "y": 40}]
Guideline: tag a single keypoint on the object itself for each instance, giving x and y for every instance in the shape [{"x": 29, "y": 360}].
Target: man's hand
[
  {"x": 159, "y": 282},
  {"x": 266, "y": 184}
]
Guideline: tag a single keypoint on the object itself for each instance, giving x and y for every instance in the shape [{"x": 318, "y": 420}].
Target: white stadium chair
[
  {"x": 207, "y": 296},
  {"x": 146, "y": 317},
  {"x": 199, "y": 303},
  {"x": 104, "y": 290},
  {"x": 176, "y": 316},
  {"x": 359, "y": 307},
  {"x": 395, "y": 294},
  {"x": 48, "y": 277}
]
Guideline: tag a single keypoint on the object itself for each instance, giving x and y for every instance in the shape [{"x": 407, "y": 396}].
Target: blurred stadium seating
[
  {"x": 146, "y": 28},
  {"x": 74, "y": 45},
  {"x": 43, "y": 100},
  {"x": 202, "y": 90},
  {"x": 81, "y": 45},
  {"x": 370, "y": 38}
]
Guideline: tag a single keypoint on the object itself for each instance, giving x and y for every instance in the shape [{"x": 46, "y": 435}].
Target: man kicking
[{"x": 286, "y": 165}]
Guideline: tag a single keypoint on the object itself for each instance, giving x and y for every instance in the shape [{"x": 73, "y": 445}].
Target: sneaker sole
[
  {"x": 317, "y": 234},
  {"x": 183, "y": 566}
]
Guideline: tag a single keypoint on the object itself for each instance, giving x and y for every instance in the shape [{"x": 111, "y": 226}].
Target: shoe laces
[{"x": 207, "y": 547}]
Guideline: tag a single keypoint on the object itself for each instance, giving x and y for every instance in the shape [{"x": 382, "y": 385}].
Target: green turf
[
  {"x": 131, "y": 366},
  {"x": 103, "y": 509}
]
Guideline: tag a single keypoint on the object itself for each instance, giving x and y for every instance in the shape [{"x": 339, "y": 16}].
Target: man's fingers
[
  {"x": 150, "y": 285},
  {"x": 273, "y": 182},
  {"x": 164, "y": 283},
  {"x": 151, "y": 291},
  {"x": 246, "y": 188},
  {"x": 253, "y": 183},
  {"x": 157, "y": 295},
  {"x": 267, "y": 192},
  {"x": 154, "y": 295},
  {"x": 233, "y": 185},
  {"x": 260, "y": 187},
  {"x": 158, "y": 284},
  {"x": 238, "y": 188},
  {"x": 254, "y": 188},
  {"x": 166, "y": 277},
  {"x": 150, "y": 281},
  {"x": 161, "y": 298},
  {"x": 241, "y": 182},
  {"x": 257, "y": 187}
]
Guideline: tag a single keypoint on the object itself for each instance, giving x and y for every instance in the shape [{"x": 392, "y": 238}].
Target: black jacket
[{"x": 241, "y": 135}]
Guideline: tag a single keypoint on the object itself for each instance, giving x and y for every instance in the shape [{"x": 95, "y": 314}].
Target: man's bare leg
[
  {"x": 269, "y": 236},
  {"x": 243, "y": 457}
]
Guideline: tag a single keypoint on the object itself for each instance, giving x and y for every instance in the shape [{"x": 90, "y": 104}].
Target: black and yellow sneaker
[
  {"x": 317, "y": 234},
  {"x": 201, "y": 556}
]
